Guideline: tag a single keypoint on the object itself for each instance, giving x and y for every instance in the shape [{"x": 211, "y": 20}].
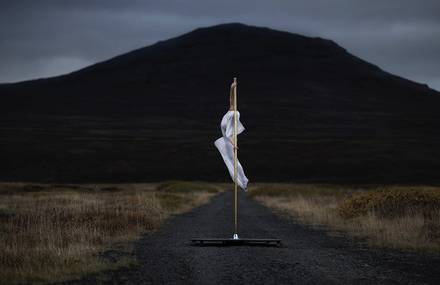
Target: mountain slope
[{"x": 312, "y": 111}]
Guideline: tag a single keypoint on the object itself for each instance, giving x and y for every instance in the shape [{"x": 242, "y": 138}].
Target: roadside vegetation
[
  {"x": 58, "y": 232},
  {"x": 393, "y": 216}
]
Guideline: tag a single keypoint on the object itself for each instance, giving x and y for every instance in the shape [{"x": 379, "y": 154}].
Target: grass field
[
  {"x": 59, "y": 232},
  {"x": 399, "y": 217}
]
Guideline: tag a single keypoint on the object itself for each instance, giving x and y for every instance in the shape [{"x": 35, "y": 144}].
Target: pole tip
[{"x": 235, "y": 79}]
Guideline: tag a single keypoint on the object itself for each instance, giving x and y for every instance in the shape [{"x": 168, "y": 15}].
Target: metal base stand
[{"x": 235, "y": 240}]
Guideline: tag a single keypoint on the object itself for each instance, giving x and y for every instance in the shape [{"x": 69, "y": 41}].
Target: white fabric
[{"x": 226, "y": 149}]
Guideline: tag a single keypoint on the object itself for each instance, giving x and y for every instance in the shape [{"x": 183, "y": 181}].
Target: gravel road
[{"x": 307, "y": 255}]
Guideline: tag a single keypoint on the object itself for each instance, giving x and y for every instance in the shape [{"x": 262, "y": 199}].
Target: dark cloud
[{"x": 50, "y": 37}]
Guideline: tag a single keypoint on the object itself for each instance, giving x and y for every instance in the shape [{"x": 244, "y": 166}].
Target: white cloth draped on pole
[{"x": 226, "y": 148}]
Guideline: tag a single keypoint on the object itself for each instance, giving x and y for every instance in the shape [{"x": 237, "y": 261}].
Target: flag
[{"x": 226, "y": 148}]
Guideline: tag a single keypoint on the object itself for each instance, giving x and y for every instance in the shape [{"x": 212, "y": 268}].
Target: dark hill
[{"x": 312, "y": 111}]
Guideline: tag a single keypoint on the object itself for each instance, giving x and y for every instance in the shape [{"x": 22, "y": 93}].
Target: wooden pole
[{"x": 235, "y": 159}]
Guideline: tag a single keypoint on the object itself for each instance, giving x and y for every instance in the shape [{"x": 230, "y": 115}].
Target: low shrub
[
  {"x": 276, "y": 190},
  {"x": 186, "y": 187},
  {"x": 389, "y": 203}
]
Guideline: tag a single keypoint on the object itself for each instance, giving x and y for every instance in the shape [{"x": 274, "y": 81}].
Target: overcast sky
[{"x": 40, "y": 38}]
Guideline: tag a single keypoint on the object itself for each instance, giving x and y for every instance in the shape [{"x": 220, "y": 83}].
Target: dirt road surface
[{"x": 306, "y": 256}]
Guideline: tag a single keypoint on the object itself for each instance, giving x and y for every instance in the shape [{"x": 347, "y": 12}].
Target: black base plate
[{"x": 241, "y": 241}]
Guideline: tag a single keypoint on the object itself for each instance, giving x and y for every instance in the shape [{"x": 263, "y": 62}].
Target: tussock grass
[
  {"x": 276, "y": 190},
  {"x": 176, "y": 203},
  {"x": 398, "y": 217},
  {"x": 57, "y": 232},
  {"x": 187, "y": 186},
  {"x": 394, "y": 202}
]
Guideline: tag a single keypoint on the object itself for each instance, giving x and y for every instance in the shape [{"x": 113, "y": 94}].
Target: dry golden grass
[
  {"x": 397, "y": 217},
  {"x": 56, "y": 232}
]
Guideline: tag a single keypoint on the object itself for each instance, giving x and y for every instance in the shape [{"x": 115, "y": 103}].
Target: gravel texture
[{"x": 307, "y": 255}]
